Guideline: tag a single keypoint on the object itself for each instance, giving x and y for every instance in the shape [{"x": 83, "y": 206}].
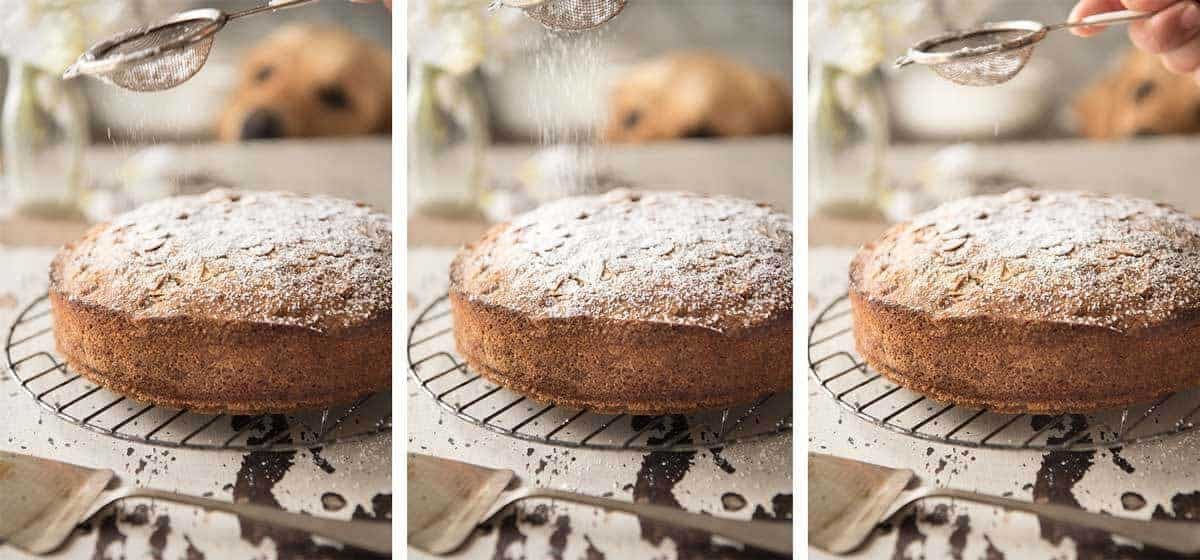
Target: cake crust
[
  {"x": 630, "y": 302},
  {"x": 229, "y": 327},
  {"x": 1034, "y": 302},
  {"x": 615, "y": 366}
]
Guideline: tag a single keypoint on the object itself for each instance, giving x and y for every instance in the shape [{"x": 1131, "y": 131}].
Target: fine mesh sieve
[
  {"x": 184, "y": 47},
  {"x": 985, "y": 70},
  {"x": 995, "y": 52},
  {"x": 569, "y": 15},
  {"x": 161, "y": 55}
]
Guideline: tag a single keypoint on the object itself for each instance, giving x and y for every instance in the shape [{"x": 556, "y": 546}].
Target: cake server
[
  {"x": 42, "y": 500},
  {"x": 848, "y": 498},
  {"x": 447, "y": 499}
]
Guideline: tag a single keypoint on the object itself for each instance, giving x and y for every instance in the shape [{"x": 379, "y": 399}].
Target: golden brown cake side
[
  {"x": 1033, "y": 302},
  {"x": 641, "y": 303},
  {"x": 214, "y": 366},
  {"x": 1024, "y": 366},
  {"x": 230, "y": 302},
  {"x": 622, "y": 366}
]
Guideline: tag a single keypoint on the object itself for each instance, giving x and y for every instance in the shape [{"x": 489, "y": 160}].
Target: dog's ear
[{"x": 381, "y": 63}]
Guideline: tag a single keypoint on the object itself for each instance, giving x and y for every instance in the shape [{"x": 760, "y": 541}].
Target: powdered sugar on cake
[
  {"x": 261, "y": 257},
  {"x": 1065, "y": 257},
  {"x": 676, "y": 258}
]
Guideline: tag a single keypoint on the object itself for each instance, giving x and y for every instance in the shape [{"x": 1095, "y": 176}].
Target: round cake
[
  {"x": 642, "y": 303},
  {"x": 1044, "y": 302},
  {"x": 240, "y": 302}
]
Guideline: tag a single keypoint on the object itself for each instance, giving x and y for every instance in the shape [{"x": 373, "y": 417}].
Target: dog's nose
[{"x": 262, "y": 123}]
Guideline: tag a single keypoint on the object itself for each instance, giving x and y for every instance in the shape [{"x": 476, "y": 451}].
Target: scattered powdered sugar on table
[
  {"x": 1069, "y": 257},
  {"x": 267, "y": 257},
  {"x": 678, "y": 258}
]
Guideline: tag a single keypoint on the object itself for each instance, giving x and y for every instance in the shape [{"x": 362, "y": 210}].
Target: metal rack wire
[
  {"x": 44, "y": 376},
  {"x": 446, "y": 378},
  {"x": 850, "y": 381}
]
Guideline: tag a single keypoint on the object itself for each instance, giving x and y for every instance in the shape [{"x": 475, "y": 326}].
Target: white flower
[
  {"x": 459, "y": 36},
  {"x": 857, "y": 35},
  {"x": 50, "y": 34}
]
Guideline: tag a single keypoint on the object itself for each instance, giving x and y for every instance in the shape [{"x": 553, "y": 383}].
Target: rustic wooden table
[
  {"x": 340, "y": 481},
  {"x": 746, "y": 480},
  {"x": 1156, "y": 479}
]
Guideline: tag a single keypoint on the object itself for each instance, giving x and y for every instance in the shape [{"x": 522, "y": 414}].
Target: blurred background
[
  {"x": 505, "y": 114},
  {"x": 886, "y": 143},
  {"x": 298, "y": 99}
]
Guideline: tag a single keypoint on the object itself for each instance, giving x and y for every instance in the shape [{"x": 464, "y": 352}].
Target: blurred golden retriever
[
  {"x": 310, "y": 80},
  {"x": 1140, "y": 98},
  {"x": 696, "y": 95}
]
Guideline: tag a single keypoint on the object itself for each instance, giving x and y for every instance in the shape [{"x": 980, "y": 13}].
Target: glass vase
[
  {"x": 45, "y": 131},
  {"x": 447, "y": 138},
  {"x": 848, "y": 139}
]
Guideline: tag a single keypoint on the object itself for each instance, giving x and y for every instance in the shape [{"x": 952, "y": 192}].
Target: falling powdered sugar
[
  {"x": 715, "y": 262},
  {"x": 261, "y": 257}
]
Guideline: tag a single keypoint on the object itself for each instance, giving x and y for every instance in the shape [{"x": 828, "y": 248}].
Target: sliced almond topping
[
  {"x": 594, "y": 270},
  {"x": 158, "y": 280},
  {"x": 262, "y": 249},
  {"x": 952, "y": 245},
  {"x": 1000, "y": 271},
  {"x": 947, "y": 227},
  {"x": 550, "y": 245},
  {"x": 1062, "y": 249},
  {"x": 218, "y": 195},
  {"x": 1015, "y": 252},
  {"x": 953, "y": 260},
  {"x": 199, "y": 271},
  {"x": 663, "y": 249},
  {"x": 1018, "y": 195},
  {"x": 774, "y": 231}
]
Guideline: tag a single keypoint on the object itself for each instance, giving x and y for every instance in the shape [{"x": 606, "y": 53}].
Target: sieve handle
[
  {"x": 280, "y": 4},
  {"x": 272, "y": 5},
  {"x": 523, "y": 4},
  {"x": 1107, "y": 18}
]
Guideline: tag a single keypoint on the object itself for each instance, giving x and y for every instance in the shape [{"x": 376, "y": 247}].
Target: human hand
[{"x": 1173, "y": 33}]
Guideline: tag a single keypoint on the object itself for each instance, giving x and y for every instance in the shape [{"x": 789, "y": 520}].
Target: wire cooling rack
[
  {"x": 446, "y": 378},
  {"x": 851, "y": 382},
  {"x": 44, "y": 376}
]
